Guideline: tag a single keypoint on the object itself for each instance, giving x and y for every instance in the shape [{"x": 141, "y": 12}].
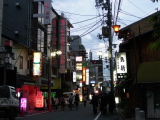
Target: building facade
[{"x": 140, "y": 88}]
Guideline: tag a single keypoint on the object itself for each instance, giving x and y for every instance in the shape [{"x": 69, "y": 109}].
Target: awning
[{"x": 148, "y": 72}]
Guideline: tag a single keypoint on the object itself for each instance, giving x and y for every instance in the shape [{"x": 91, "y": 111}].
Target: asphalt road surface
[{"x": 83, "y": 113}]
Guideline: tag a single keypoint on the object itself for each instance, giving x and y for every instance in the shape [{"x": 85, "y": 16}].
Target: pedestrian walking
[
  {"x": 103, "y": 103},
  {"x": 53, "y": 102},
  {"x": 111, "y": 102},
  {"x": 84, "y": 100},
  {"x": 77, "y": 101},
  {"x": 94, "y": 103},
  {"x": 56, "y": 100},
  {"x": 70, "y": 101},
  {"x": 62, "y": 102}
]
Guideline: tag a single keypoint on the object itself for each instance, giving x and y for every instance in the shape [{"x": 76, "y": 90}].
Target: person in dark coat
[
  {"x": 77, "y": 101},
  {"x": 62, "y": 101},
  {"x": 70, "y": 101},
  {"x": 103, "y": 103},
  {"x": 111, "y": 102},
  {"x": 94, "y": 103},
  {"x": 84, "y": 100}
]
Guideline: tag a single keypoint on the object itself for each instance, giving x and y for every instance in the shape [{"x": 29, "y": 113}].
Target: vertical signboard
[
  {"x": 84, "y": 72},
  {"x": 37, "y": 63},
  {"x": 54, "y": 40},
  {"x": 39, "y": 103},
  {"x": 121, "y": 65},
  {"x": 47, "y": 12},
  {"x": 87, "y": 76},
  {"x": 62, "y": 43},
  {"x": 74, "y": 77},
  {"x": 23, "y": 104}
]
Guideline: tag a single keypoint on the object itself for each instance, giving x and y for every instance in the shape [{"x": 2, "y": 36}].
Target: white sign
[
  {"x": 78, "y": 58},
  {"x": 87, "y": 76},
  {"x": 74, "y": 76},
  {"x": 121, "y": 62}
]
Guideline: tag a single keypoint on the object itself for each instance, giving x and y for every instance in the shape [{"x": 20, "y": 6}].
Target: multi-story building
[
  {"x": 31, "y": 31},
  {"x": 79, "y": 52}
]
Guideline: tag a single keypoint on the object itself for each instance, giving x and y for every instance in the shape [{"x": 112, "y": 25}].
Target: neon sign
[{"x": 23, "y": 104}]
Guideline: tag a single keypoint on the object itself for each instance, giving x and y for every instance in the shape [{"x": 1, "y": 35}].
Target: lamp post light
[
  {"x": 99, "y": 53},
  {"x": 116, "y": 28},
  {"x": 53, "y": 54}
]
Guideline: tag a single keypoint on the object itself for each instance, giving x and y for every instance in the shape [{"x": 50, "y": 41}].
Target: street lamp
[
  {"x": 116, "y": 28},
  {"x": 99, "y": 53}
]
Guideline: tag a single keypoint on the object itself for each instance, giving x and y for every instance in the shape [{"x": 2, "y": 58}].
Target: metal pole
[{"x": 49, "y": 84}]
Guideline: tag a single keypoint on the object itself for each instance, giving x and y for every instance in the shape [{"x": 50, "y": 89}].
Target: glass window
[
  {"x": 40, "y": 42},
  {"x": 41, "y": 11}
]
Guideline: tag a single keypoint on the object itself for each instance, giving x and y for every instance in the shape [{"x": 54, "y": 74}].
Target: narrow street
[{"x": 83, "y": 113}]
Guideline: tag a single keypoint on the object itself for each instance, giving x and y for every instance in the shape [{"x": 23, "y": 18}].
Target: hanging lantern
[{"x": 116, "y": 28}]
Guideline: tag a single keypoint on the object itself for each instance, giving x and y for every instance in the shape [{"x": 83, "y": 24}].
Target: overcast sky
[{"x": 88, "y": 19}]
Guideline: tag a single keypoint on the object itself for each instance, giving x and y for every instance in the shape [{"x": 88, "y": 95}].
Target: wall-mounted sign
[
  {"x": 92, "y": 81},
  {"x": 83, "y": 74},
  {"x": 121, "y": 62},
  {"x": 74, "y": 77},
  {"x": 80, "y": 83},
  {"x": 121, "y": 65},
  {"x": 8, "y": 43},
  {"x": 78, "y": 58},
  {"x": 78, "y": 66},
  {"x": 39, "y": 103},
  {"x": 23, "y": 104},
  {"x": 62, "y": 42},
  {"x": 37, "y": 63},
  {"x": 47, "y": 12},
  {"x": 87, "y": 76}
]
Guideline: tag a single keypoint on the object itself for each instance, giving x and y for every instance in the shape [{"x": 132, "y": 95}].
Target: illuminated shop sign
[
  {"x": 74, "y": 76},
  {"x": 39, "y": 103},
  {"x": 23, "y": 104},
  {"x": 78, "y": 58},
  {"x": 80, "y": 84},
  {"x": 78, "y": 66},
  {"x": 37, "y": 63},
  {"x": 87, "y": 76},
  {"x": 92, "y": 81},
  {"x": 47, "y": 12},
  {"x": 84, "y": 74},
  {"x": 121, "y": 61},
  {"x": 62, "y": 39}
]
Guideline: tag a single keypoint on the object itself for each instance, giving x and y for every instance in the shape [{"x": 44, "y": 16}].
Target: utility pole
[
  {"x": 107, "y": 33},
  {"x": 109, "y": 23}
]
